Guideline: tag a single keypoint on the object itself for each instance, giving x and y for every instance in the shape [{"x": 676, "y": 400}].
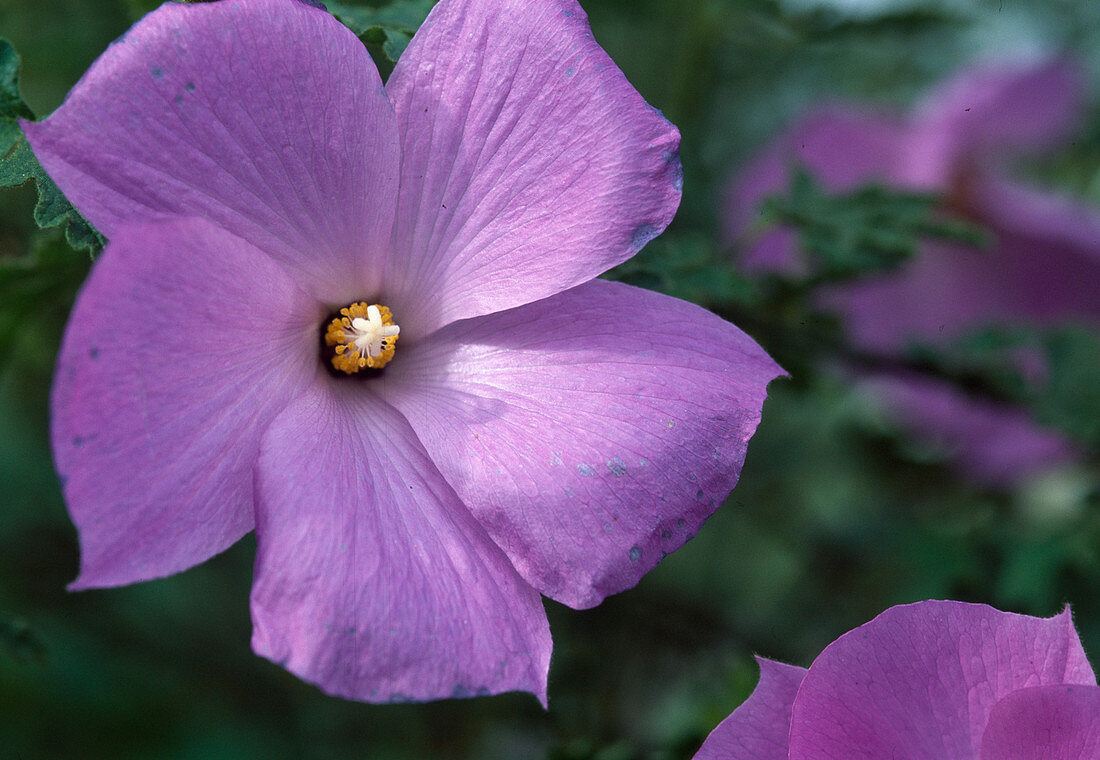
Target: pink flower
[
  {"x": 536, "y": 431},
  {"x": 1042, "y": 268},
  {"x": 925, "y": 681}
]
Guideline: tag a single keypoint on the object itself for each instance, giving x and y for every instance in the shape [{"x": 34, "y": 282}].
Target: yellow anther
[{"x": 365, "y": 336}]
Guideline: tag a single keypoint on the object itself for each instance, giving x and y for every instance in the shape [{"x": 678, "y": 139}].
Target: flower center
[{"x": 363, "y": 336}]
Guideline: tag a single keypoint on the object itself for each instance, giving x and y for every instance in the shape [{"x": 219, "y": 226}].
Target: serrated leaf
[
  {"x": 391, "y": 26},
  {"x": 18, "y": 163}
]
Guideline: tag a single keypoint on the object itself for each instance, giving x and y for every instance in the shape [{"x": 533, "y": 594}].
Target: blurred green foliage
[{"x": 839, "y": 513}]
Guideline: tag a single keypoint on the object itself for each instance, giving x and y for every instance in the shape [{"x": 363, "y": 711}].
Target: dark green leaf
[
  {"x": 391, "y": 26},
  {"x": 18, "y": 164}
]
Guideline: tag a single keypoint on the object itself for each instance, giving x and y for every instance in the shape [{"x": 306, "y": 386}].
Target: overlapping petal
[
  {"x": 920, "y": 681},
  {"x": 372, "y": 580},
  {"x": 163, "y": 386},
  {"x": 265, "y": 116},
  {"x": 591, "y": 433},
  {"x": 758, "y": 729},
  {"x": 530, "y": 163},
  {"x": 1045, "y": 723}
]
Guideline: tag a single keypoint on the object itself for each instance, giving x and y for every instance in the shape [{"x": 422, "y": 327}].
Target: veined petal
[
  {"x": 591, "y": 433},
  {"x": 920, "y": 680},
  {"x": 183, "y": 344},
  {"x": 265, "y": 116},
  {"x": 1045, "y": 723},
  {"x": 372, "y": 580},
  {"x": 530, "y": 163},
  {"x": 758, "y": 729}
]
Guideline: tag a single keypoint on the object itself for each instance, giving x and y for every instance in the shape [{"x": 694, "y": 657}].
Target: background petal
[
  {"x": 530, "y": 163},
  {"x": 994, "y": 444},
  {"x": 183, "y": 343},
  {"x": 1045, "y": 723},
  {"x": 372, "y": 580},
  {"x": 758, "y": 729},
  {"x": 919, "y": 681},
  {"x": 994, "y": 111},
  {"x": 591, "y": 433},
  {"x": 265, "y": 116}
]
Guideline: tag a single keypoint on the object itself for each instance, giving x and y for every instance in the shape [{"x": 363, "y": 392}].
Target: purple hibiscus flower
[
  {"x": 925, "y": 681},
  {"x": 1042, "y": 268},
  {"x": 281, "y": 229}
]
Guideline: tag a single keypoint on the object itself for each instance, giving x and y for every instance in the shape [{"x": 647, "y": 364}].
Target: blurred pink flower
[
  {"x": 925, "y": 681},
  {"x": 1043, "y": 266},
  {"x": 537, "y": 430}
]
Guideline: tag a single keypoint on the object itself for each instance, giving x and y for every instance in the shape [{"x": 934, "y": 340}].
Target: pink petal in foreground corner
[
  {"x": 162, "y": 391},
  {"x": 592, "y": 432},
  {"x": 758, "y": 729},
  {"x": 372, "y": 580},
  {"x": 920, "y": 680},
  {"x": 1045, "y": 723},
  {"x": 530, "y": 163},
  {"x": 195, "y": 112}
]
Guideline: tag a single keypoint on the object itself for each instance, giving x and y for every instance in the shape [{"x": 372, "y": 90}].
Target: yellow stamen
[{"x": 363, "y": 337}]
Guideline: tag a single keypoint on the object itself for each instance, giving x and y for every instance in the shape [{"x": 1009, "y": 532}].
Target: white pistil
[{"x": 367, "y": 334}]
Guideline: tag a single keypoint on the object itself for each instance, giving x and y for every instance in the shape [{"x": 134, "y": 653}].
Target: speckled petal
[
  {"x": 919, "y": 681},
  {"x": 758, "y": 729},
  {"x": 265, "y": 116},
  {"x": 530, "y": 163},
  {"x": 372, "y": 580},
  {"x": 591, "y": 433},
  {"x": 1045, "y": 723},
  {"x": 183, "y": 344}
]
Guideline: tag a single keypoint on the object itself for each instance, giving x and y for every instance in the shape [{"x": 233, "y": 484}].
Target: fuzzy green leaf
[
  {"x": 18, "y": 164},
  {"x": 391, "y": 26}
]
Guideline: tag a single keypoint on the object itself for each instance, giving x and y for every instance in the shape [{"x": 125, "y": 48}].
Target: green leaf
[
  {"x": 391, "y": 26},
  {"x": 18, "y": 163},
  {"x": 873, "y": 228},
  {"x": 36, "y": 292}
]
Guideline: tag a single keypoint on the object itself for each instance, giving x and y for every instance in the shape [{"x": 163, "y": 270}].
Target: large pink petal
[
  {"x": 265, "y": 116},
  {"x": 183, "y": 344},
  {"x": 591, "y": 433},
  {"x": 841, "y": 147},
  {"x": 919, "y": 681},
  {"x": 758, "y": 729},
  {"x": 372, "y": 580},
  {"x": 1045, "y": 723},
  {"x": 530, "y": 163}
]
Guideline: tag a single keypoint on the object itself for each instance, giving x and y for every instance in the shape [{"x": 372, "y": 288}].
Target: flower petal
[
  {"x": 183, "y": 343},
  {"x": 265, "y": 116},
  {"x": 758, "y": 729},
  {"x": 993, "y": 111},
  {"x": 919, "y": 681},
  {"x": 1045, "y": 723},
  {"x": 372, "y": 580},
  {"x": 591, "y": 433},
  {"x": 995, "y": 444},
  {"x": 530, "y": 163}
]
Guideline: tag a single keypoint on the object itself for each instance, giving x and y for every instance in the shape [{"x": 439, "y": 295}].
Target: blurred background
[{"x": 937, "y": 438}]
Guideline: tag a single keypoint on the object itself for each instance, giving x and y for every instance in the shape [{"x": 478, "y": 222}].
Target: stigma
[{"x": 363, "y": 337}]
